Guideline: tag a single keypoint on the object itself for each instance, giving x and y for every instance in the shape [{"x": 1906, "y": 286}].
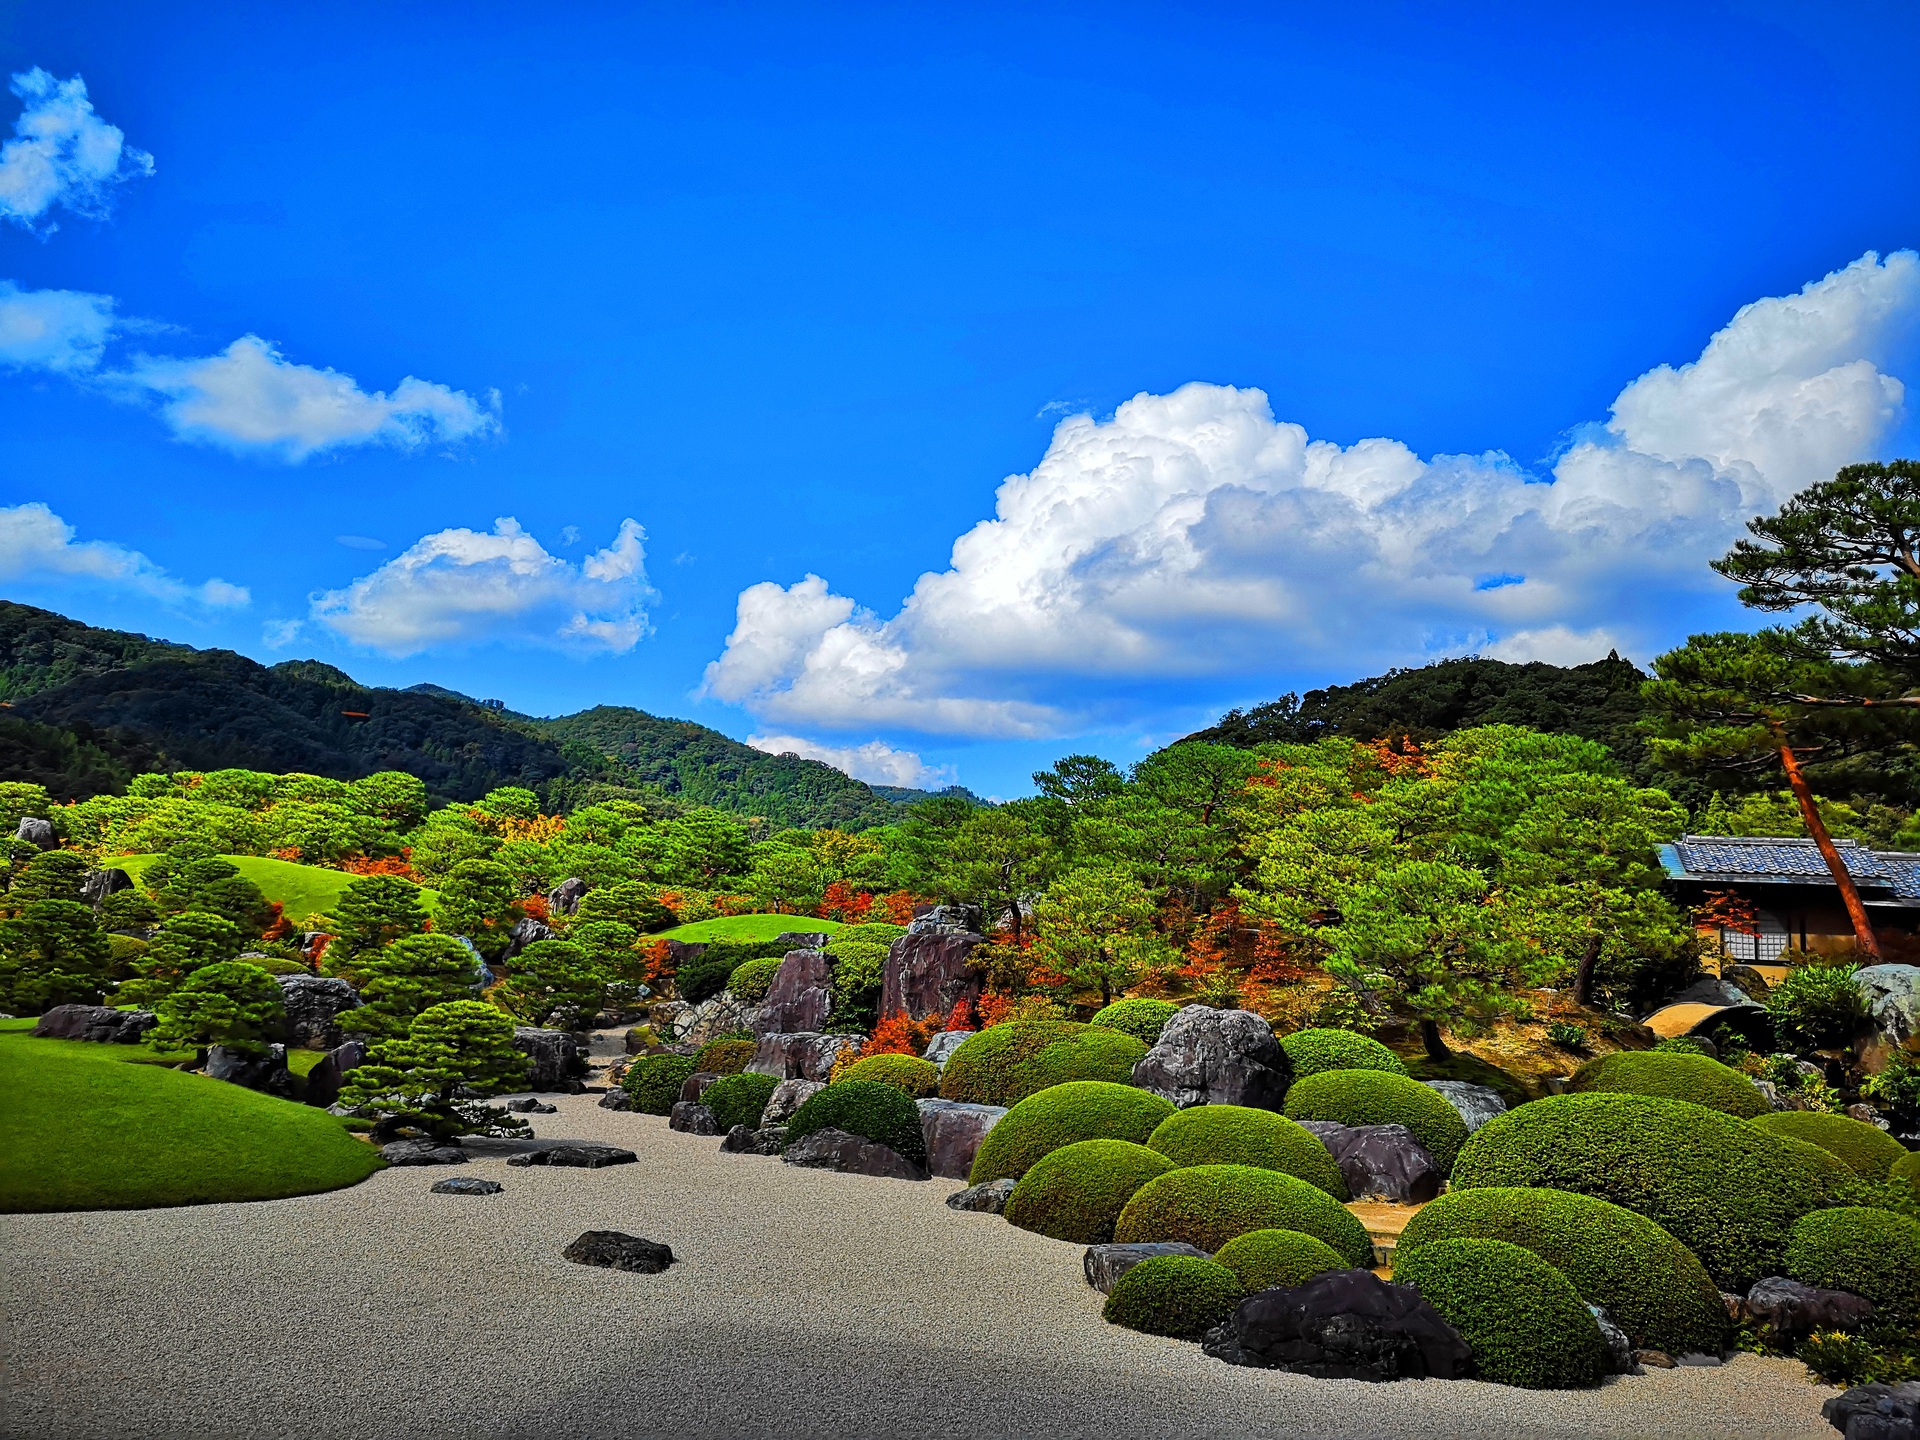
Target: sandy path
[{"x": 804, "y": 1304}]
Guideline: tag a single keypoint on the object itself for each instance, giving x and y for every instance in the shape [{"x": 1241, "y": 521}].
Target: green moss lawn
[
  {"x": 745, "y": 927},
  {"x": 301, "y": 890}
]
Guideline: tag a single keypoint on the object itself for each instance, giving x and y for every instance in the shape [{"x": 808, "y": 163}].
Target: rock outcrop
[
  {"x": 802, "y": 1056},
  {"x": 554, "y": 1062},
  {"x": 953, "y": 1130},
  {"x": 926, "y": 971},
  {"x": 1343, "y": 1325},
  {"x": 100, "y": 1023},
  {"x": 314, "y": 1005},
  {"x": 1216, "y": 1057},
  {"x": 851, "y": 1155},
  {"x": 801, "y": 997}
]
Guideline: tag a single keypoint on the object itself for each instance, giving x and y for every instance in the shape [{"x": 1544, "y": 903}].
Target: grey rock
[
  {"x": 525, "y": 932},
  {"x": 575, "y": 1155},
  {"x": 801, "y": 1056},
  {"x": 988, "y": 1199},
  {"x": 1216, "y": 1057},
  {"x": 1867, "y": 1115},
  {"x": 1748, "y": 981},
  {"x": 788, "y": 1096},
  {"x": 616, "y": 1099},
  {"x": 325, "y": 1078},
  {"x": 1893, "y": 998},
  {"x": 1381, "y": 1162},
  {"x": 949, "y": 920},
  {"x": 266, "y": 1073},
  {"x": 1343, "y": 1325},
  {"x": 690, "y": 1117},
  {"x": 1697, "y": 1360},
  {"x": 804, "y": 939},
  {"x": 695, "y": 1085},
  {"x": 1876, "y": 1412},
  {"x": 100, "y": 1023},
  {"x": 314, "y": 1005},
  {"x": 529, "y": 1106},
  {"x": 850, "y": 1155},
  {"x": 941, "y": 1047},
  {"x": 926, "y": 972},
  {"x": 99, "y": 884},
  {"x": 1620, "y": 1359},
  {"x": 717, "y": 1015},
  {"x": 465, "y": 1185},
  {"x": 953, "y": 1130},
  {"x": 613, "y": 1250},
  {"x": 741, "y": 1140},
  {"x": 36, "y": 832},
  {"x": 1708, "y": 990},
  {"x": 1476, "y": 1104},
  {"x": 1659, "y": 1359},
  {"x": 1105, "y": 1264},
  {"x": 1792, "y": 1311},
  {"x": 565, "y": 897},
  {"x": 423, "y": 1152},
  {"x": 554, "y": 1063},
  {"x": 801, "y": 996}
]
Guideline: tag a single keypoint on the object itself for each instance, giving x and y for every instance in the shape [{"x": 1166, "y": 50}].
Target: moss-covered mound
[
  {"x": 738, "y": 1099},
  {"x": 1178, "y": 1295},
  {"x": 1209, "y": 1205},
  {"x": 1077, "y": 1192},
  {"x": 1270, "y": 1259},
  {"x": 1241, "y": 1135},
  {"x": 726, "y": 1056},
  {"x": 1078, "y": 1110},
  {"x": 1865, "y": 1150},
  {"x": 654, "y": 1081},
  {"x": 1004, "y": 1064},
  {"x": 1907, "y": 1168},
  {"x": 752, "y": 979},
  {"x": 864, "y": 1107},
  {"x": 1874, "y": 1253},
  {"x": 1728, "y": 1192},
  {"x": 1652, "y": 1285},
  {"x": 1693, "y": 1078},
  {"x": 1139, "y": 1017},
  {"x": 1373, "y": 1097},
  {"x": 1312, "y": 1051},
  {"x": 908, "y": 1074},
  {"x": 1523, "y": 1320}
]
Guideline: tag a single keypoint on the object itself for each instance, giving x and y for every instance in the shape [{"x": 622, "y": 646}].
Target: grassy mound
[
  {"x": 1866, "y": 1150},
  {"x": 1078, "y": 1191},
  {"x": 1874, "y": 1253},
  {"x": 1313, "y": 1051},
  {"x": 300, "y": 890},
  {"x": 1907, "y": 1168},
  {"x": 1178, "y": 1295},
  {"x": 863, "y": 1107},
  {"x": 1004, "y": 1064},
  {"x": 1139, "y": 1017},
  {"x": 81, "y": 1129},
  {"x": 1060, "y": 1115},
  {"x": 1667, "y": 1076},
  {"x": 1270, "y": 1259},
  {"x": 908, "y": 1074},
  {"x": 1241, "y": 1135},
  {"x": 1372, "y": 1097},
  {"x": 654, "y": 1081},
  {"x": 746, "y": 927},
  {"x": 1523, "y": 1320},
  {"x": 1652, "y": 1285},
  {"x": 738, "y": 1099},
  {"x": 1209, "y": 1205},
  {"x": 725, "y": 1056}
]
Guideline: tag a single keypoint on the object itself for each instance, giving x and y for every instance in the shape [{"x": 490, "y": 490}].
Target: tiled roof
[{"x": 1768, "y": 857}]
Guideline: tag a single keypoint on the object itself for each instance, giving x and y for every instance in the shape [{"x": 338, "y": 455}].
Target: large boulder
[
  {"x": 801, "y": 997},
  {"x": 695, "y": 1085},
  {"x": 953, "y": 1131},
  {"x": 36, "y": 832},
  {"x": 565, "y": 897},
  {"x": 1216, "y": 1057},
  {"x": 1876, "y": 1412},
  {"x": 314, "y": 1006},
  {"x": 788, "y": 1096},
  {"x": 1477, "y": 1104},
  {"x": 1893, "y": 995},
  {"x": 926, "y": 971},
  {"x": 575, "y": 1154},
  {"x": 831, "y": 1149},
  {"x": 717, "y": 1015},
  {"x": 1792, "y": 1311},
  {"x": 525, "y": 931},
  {"x": 1343, "y": 1325},
  {"x": 266, "y": 1073},
  {"x": 802, "y": 1056},
  {"x": 1105, "y": 1264},
  {"x": 616, "y": 1250},
  {"x": 690, "y": 1117},
  {"x": 101, "y": 1023},
  {"x": 1380, "y": 1162},
  {"x": 99, "y": 884},
  {"x": 426, "y": 1151},
  {"x": 941, "y": 1047},
  {"x": 325, "y": 1079},
  {"x": 554, "y": 1059}
]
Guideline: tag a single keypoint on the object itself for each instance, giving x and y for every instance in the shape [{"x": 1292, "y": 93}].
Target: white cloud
[
  {"x": 62, "y": 154},
  {"x": 278, "y": 634},
  {"x": 1193, "y": 534},
  {"x": 64, "y": 331},
  {"x": 1555, "y": 644},
  {"x": 37, "y": 545},
  {"x": 462, "y": 586},
  {"x": 875, "y": 762}
]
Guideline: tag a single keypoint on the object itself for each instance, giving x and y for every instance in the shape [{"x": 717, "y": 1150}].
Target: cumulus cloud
[
  {"x": 37, "y": 545},
  {"x": 1555, "y": 644},
  {"x": 462, "y": 586},
  {"x": 64, "y": 331},
  {"x": 1193, "y": 534},
  {"x": 875, "y": 762},
  {"x": 62, "y": 154}
]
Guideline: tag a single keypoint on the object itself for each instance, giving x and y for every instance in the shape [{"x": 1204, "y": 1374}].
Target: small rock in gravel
[
  {"x": 989, "y": 1199},
  {"x": 1105, "y": 1264},
  {"x": 465, "y": 1185},
  {"x": 531, "y": 1107},
  {"x": 615, "y": 1251},
  {"x": 739, "y": 1141},
  {"x": 1659, "y": 1359},
  {"x": 1876, "y": 1412},
  {"x": 579, "y": 1157},
  {"x": 422, "y": 1152},
  {"x": 616, "y": 1100},
  {"x": 1619, "y": 1348},
  {"x": 690, "y": 1117},
  {"x": 1696, "y": 1360}
]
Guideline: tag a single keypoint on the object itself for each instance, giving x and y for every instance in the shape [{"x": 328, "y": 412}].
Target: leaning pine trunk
[
  {"x": 1430, "y": 1037},
  {"x": 1816, "y": 827},
  {"x": 1583, "y": 977}
]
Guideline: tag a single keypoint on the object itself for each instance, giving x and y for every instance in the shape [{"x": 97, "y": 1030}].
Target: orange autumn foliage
[
  {"x": 843, "y": 903},
  {"x": 400, "y": 865},
  {"x": 897, "y": 1035},
  {"x": 896, "y": 908},
  {"x": 534, "y": 907}
]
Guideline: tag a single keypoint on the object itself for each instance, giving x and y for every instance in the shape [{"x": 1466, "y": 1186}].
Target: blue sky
[{"x": 794, "y": 289}]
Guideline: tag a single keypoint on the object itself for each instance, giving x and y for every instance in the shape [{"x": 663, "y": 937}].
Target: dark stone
[
  {"x": 953, "y": 1130},
  {"x": 564, "y": 898},
  {"x": 1216, "y": 1057},
  {"x": 926, "y": 972},
  {"x": 1476, "y": 1104},
  {"x": 1876, "y": 1412},
  {"x": 325, "y": 1078},
  {"x": 1105, "y": 1264},
  {"x": 1696, "y": 1360},
  {"x": 266, "y": 1073},
  {"x": 614, "y": 1251},
  {"x": 1343, "y": 1325},
  {"x": 801, "y": 1056},
  {"x": 690, "y": 1117},
  {"x": 465, "y": 1185},
  {"x": 739, "y": 1141},
  {"x": 36, "y": 832},
  {"x": 525, "y": 932},
  {"x": 1792, "y": 1311},
  {"x": 788, "y": 1096},
  {"x": 100, "y": 1023},
  {"x": 803, "y": 939},
  {"x": 529, "y": 1106},
  {"x": 314, "y": 1005},
  {"x": 695, "y": 1085},
  {"x": 801, "y": 997},
  {"x": 99, "y": 884},
  {"x": 423, "y": 1152},
  {"x": 1749, "y": 982},
  {"x": 850, "y": 1155},
  {"x": 554, "y": 1063},
  {"x": 745, "y": 1140},
  {"x": 616, "y": 1099},
  {"x": 988, "y": 1199},
  {"x": 1620, "y": 1359},
  {"x": 576, "y": 1155},
  {"x": 1381, "y": 1162}
]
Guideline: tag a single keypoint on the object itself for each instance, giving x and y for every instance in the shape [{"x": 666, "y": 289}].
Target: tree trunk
[
  {"x": 1816, "y": 827},
  {"x": 1430, "y": 1037},
  {"x": 1583, "y": 977}
]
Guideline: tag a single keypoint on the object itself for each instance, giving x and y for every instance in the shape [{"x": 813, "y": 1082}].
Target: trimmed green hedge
[
  {"x": 725, "y": 1056},
  {"x": 738, "y": 1099},
  {"x": 1270, "y": 1259},
  {"x": 1874, "y": 1253},
  {"x": 1728, "y": 1192},
  {"x": 1908, "y": 1169},
  {"x": 1078, "y": 1191},
  {"x": 908, "y": 1074},
  {"x": 1866, "y": 1150},
  {"x": 864, "y": 1107},
  {"x": 1653, "y": 1286},
  {"x": 1004, "y": 1064},
  {"x": 1208, "y": 1205},
  {"x": 1139, "y": 1017},
  {"x": 1693, "y": 1078},
  {"x": 1313, "y": 1051},
  {"x": 1372, "y": 1097},
  {"x": 1242, "y": 1135},
  {"x": 654, "y": 1081},
  {"x": 1178, "y": 1295},
  {"x": 1060, "y": 1115},
  {"x": 752, "y": 979},
  {"x": 1523, "y": 1320}
]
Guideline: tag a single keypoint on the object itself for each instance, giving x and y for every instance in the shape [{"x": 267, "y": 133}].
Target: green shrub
[
  {"x": 868, "y": 932},
  {"x": 1728, "y": 1192},
  {"x": 1370, "y": 1097},
  {"x": 728, "y": 1055},
  {"x": 1004, "y": 1064},
  {"x": 1817, "y": 1007},
  {"x": 738, "y": 1099},
  {"x": 1866, "y": 1150},
  {"x": 231, "y": 1002},
  {"x": 1178, "y": 1295},
  {"x": 864, "y": 1107},
  {"x": 1907, "y": 1168},
  {"x": 1651, "y": 1284},
  {"x": 1208, "y": 1205},
  {"x": 1242, "y": 1135},
  {"x": 1313, "y": 1051},
  {"x": 1077, "y": 1192},
  {"x": 1277, "y": 1259},
  {"x": 273, "y": 964},
  {"x": 908, "y": 1074},
  {"x": 1685, "y": 1045},
  {"x": 654, "y": 1081},
  {"x": 1693, "y": 1078},
  {"x": 1140, "y": 1017},
  {"x": 752, "y": 979},
  {"x": 1567, "y": 1035},
  {"x": 1523, "y": 1320},
  {"x": 1874, "y": 1253},
  {"x": 1061, "y": 1115}
]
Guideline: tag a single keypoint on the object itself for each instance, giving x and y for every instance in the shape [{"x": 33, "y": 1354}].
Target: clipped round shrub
[
  {"x": 1242, "y": 1135},
  {"x": 1208, "y": 1205},
  {"x": 1866, "y": 1150},
  {"x": 1178, "y": 1295},
  {"x": 752, "y": 979},
  {"x": 738, "y": 1099},
  {"x": 864, "y": 1107},
  {"x": 1060, "y": 1115},
  {"x": 1667, "y": 1076},
  {"x": 1653, "y": 1286},
  {"x": 1140, "y": 1017},
  {"x": 1372, "y": 1097},
  {"x": 1728, "y": 1192},
  {"x": 1874, "y": 1253},
  {"x": 725, "y": 1056},
  {"x": 1313, "y": 1051},
  {"x": 1686, "y": 1045},
  {"x": 1907, "y": 1168},
  {"x": 654, "y": 1081},
  {"x": 1277, "y": 1259},
  {"x": 1004, "y": 1064},
  {"x": 1078, "y": 1191},
  {"x": 1523, "y": 1320},
  {"x": 908, "y": 1074}
]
